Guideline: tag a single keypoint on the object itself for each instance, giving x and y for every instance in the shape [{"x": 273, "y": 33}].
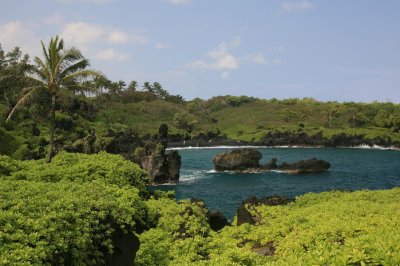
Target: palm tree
[{"x": 61, "y": 69}]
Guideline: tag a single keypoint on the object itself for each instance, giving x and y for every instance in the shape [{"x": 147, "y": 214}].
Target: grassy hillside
[
  {"x": 253, "y": 119},
  {"x": 236, "y": 118}
]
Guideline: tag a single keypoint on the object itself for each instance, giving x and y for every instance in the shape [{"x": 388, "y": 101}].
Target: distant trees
[
  {"x": 387, "y": 119},
  {"x": 133, "y": 85},
  {"x": 15, "y": 64},
  {"x": 333, "y": 110},
  {"x": 288, "y": 115},
  {"x": 185, "y": 121}
]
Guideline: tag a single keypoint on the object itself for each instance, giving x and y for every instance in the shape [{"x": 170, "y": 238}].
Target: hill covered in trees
[{"x": 111, "y": 108}]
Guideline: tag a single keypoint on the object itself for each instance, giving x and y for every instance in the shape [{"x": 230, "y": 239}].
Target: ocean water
[{"x": 351, "y": 169}]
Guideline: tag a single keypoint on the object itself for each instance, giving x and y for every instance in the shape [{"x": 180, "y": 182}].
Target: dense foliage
[
  {"x": 331, "y": 228},
  {"x": 108, "y": 168},
  {"x": 65, "y": 223},
  {"x": 180, "y": 234}
]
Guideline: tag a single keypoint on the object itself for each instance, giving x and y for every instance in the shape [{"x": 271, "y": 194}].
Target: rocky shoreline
[{"x": 288, "y": 139}]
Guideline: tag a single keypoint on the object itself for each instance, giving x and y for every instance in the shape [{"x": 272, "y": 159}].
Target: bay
[{"x": 351, "y": 169}]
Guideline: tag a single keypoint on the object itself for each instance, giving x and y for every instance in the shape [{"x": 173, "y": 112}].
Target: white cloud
[
  {"x": 216, "y": 60},
  {"x": 220, "y": 58},
  {"x": 259, "y": 59},
  {"x": 112, "y": 55},
  {"x": 179, "y": 2},
  {"x": 83, "y": 34},
  {"x": 118, "y": 37},
  {"x": 161, "y": 45},
  {"x": 296, "y": 6},
  {"x": 16, "y": 33}
]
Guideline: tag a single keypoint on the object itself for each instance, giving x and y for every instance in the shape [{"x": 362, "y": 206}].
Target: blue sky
[{"x": 330, "y": 50}]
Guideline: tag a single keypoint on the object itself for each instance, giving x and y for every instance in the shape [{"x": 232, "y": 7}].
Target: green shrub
[
  {"x": 8, "y": 144},
  {"x": 64, "y": 223},
  {"x": 109, "y": 168},
  {"x": 331, "y": 228},
  {"x": 23, "y": 153},
  {"x": 180, "y": 234}
]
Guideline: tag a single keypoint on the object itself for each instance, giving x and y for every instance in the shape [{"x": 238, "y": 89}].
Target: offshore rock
[
  {"x": 312, "y": 165},
  {"x": 237, "y": 160},
  {"x": 271, "y": 165}
]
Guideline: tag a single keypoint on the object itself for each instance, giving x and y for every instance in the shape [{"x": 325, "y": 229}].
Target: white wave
[
  {"x": 362, "y": 146},
  {"x": 165, "y": 184},
  {"x": 238, "y": 147},
  {"x": 277, "y": 171},
  {"x": 375, "y": 147},
  {"x": 191, "y": 177}
]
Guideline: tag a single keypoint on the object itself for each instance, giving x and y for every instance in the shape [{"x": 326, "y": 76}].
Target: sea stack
[{"x": 237, "y": 160}]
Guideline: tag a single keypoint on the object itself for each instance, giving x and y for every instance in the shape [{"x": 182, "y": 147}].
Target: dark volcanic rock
[
  {"x": 271, "y": 165},
  {"x": 174, "y": 165},
  {"x": 125, "y": 248},
  {"x": 244, "y": 215},
  {"x": 235, "y": 160},
  {"x": 162, "y": 167},
  {"x": 312, "y": 165},
  {"x": 264, "y": 250},
  {"x": 217, "y": 220}
]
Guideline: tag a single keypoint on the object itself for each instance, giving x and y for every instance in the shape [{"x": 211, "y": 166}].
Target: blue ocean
[{"x": 351, "y": 169}]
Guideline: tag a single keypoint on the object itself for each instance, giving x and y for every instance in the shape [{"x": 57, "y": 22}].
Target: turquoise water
[{"x": 351, "y": 169}]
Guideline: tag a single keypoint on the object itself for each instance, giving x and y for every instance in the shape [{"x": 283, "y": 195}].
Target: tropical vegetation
[
  {"x": 73, "y": 209},
  {"x": 68, "y": 220}
]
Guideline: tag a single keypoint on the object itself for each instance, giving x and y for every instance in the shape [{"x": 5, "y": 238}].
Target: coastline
[{"x": 199, "y": 147}]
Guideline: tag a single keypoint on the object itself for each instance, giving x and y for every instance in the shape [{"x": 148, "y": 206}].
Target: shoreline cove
[{"x": 362, "y": 146}]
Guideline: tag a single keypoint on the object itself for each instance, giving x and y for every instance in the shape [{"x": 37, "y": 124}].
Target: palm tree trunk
[{"x": 52, "y": 126}]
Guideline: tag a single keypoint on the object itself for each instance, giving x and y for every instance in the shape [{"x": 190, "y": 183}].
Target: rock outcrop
[
  {"x": 271, "y": 165},
  {"x": 246, "y": 212},
  {"x": 217, "y": 220},
  {"x": 237, "y": 160},
  {"x": 312, "y": 165},
  {"x": 247, "y": 161},
  {"x": 162, "y": 167}
]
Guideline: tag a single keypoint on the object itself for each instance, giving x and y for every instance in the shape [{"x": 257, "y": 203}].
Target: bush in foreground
[
  {"x": 331, "y": 228},
  {"x": 109, "y": 168},
  {"x": 64, "y": 223}
]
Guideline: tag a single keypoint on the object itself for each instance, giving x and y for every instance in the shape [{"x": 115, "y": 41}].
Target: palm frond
[
  {"x": 46, "y": 55},
  {"x": 42, "y": 71},
  {"x": 28, "y": 94},
  {"x": 82, "y": 75},
  {"x": 78, "y": 66}
]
